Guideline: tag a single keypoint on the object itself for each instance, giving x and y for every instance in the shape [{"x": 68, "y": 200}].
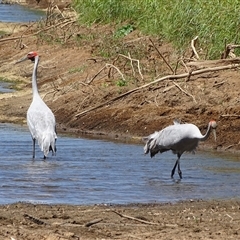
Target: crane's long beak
[
  {"x": 214, "y": 134},
  {"x": 21, "y": 60}
]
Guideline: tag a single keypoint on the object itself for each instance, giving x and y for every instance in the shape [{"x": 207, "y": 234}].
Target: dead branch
[
  {"x": 161, "y": 55},
  {"x": 136, "y": 219},
  {"x": 213, "y": 63},
  {"x": 230, "y": 115},
  {"x": 135, "y": 60},
  {"x": 193, "y": 44},
  {"x": 229, "y": 49},
  {"x": 58, "y": 10},
  {"x": 95, "y": 221},
  {"x": 168, "y": 88},
  {"x": 131, "y": 62},
  {"x": 168, "y": 77},
  {"x": 188, "y": 94},
  {"x": 90, "y": 80},
  {"x": 120, "y": 73},
  {"x": 218, "y": 84},
  {"x": 183, "y": 63}
]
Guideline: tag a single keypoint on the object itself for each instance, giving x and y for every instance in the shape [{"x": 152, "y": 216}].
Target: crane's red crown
[
  {"x": 32, "y": 55},
  {"x": 213, "y": 123}
]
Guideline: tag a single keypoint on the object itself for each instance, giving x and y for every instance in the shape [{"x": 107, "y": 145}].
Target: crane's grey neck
[
  {"x": 205, "y": 137},
  {"x": 34, "y": 77}
]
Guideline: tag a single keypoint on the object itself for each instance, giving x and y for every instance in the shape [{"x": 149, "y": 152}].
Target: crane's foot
[
  {"x": 180, "y": 174},
  {"x": 173, "y": 171}
]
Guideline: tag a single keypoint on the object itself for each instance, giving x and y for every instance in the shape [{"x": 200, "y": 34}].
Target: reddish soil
[{"x": 84, "y": 83}]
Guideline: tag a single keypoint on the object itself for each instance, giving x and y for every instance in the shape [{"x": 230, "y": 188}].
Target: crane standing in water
[
  {"x": 179, "y": 138},
  {"x": 40, "y": 119}
]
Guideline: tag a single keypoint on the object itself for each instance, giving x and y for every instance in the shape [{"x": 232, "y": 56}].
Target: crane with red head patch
[{"x": 40, "y": 119}]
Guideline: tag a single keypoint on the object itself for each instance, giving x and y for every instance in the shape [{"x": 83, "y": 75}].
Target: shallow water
[
  {"x": 18, "y": 13},
  {"x": 5, "y": 87},
  {"x": 87, "y": 171}
]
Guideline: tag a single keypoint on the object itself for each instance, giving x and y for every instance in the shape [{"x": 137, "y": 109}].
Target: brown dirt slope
[{"x": 76, "y": 76}]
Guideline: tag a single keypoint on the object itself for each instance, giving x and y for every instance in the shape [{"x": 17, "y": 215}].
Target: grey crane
[
  {"x": 178, "y": 138},
  {"x": 40, "y": 119}
]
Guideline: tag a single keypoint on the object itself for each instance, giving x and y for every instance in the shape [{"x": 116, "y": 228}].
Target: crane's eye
[{"x": 32, "y": 59}]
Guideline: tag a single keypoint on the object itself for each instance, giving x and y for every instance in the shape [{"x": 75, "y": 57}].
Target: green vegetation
[
  {"x": 77, "y": 69},
  {"x": 177, "y": 21},
  {"x": 2, "y": 33}
]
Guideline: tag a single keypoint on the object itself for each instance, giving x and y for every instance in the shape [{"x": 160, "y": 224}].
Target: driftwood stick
[
  {"x": 136, "y": 219},
  {"x": 161, "y": 55},
  {"x": 168, "y": 77}
]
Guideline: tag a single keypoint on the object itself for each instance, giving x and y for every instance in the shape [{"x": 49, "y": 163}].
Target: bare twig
[
  {"x": 168, "y": 88},
  {"x": 161, "y": 55},
  {"x": 218, "y": 84},
  {"x": 183, "y": 63},
  {"x": 213, "y": 63},
  {"x": 135, "y": 60},
  {"x": 136, "y": 219},
  {"x": 230, "y": 115},
  {"x": 131, "y": 62},
  {"x": 188, "y": 94},
  {"x": 194, "y": 52},
  {"x": 229, "y": 217},
  {"x": 120, "y": 73},
  {"x": 90, "y": 80}
]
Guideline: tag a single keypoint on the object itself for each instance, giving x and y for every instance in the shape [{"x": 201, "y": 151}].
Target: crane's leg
[
  {"x": 33, "y": 152},
  {"x": 177, "y": 163},
  {"x": 179, "y": 170}
]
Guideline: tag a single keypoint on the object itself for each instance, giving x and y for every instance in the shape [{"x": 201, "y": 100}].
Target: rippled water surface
[
  {"x": 18, "y": 13},
  {"x": 89, "y": 171},
  {"x": 5, "y": 87}
]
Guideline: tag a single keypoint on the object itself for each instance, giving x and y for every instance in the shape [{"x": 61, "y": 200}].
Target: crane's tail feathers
[
  {"x": 48, "y": 143},
  {"x": 151, "y": 145}
]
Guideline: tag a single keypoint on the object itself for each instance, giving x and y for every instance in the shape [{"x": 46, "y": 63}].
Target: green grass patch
[
  {"x": 177, "y": 21},
  {"x": 77, "y": 69}
]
